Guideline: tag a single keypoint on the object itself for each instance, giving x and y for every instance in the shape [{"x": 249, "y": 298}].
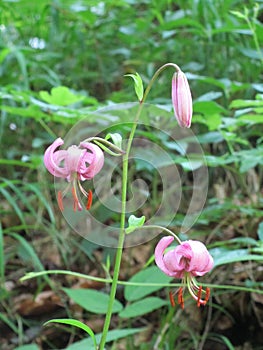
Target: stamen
[
  {"x": 199, "y": 296},
  {"x": 89, "y": 202},
  {"x": 60, "y": 201},
  {"x": 76, "y": 200},
  {"x": 207, "y": 294},
  {"x": 180, "y": 298},
  {"x": 171, "y": 297},
  {"x": 82, "y": 189}
]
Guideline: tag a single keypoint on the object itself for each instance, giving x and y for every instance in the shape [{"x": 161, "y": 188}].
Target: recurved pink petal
[
  {"x": 170, "y": 260},
  {"x": 91, "y": 162},
  {"x": 202, "y": 262},
  {"x": 52, "y": 159},
  {"x": 164, "y": 264}
]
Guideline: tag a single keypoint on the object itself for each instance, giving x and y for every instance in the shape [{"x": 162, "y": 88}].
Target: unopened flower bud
[{"x": 182, "y": 99}]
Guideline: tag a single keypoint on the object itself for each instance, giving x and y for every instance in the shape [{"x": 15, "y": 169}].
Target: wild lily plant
[{"x": 189, "y": 259}]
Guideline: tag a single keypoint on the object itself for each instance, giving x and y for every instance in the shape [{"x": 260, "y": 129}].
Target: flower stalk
[{"x": 121, "y": 240}]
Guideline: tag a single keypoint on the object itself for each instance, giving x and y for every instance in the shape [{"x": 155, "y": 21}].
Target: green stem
[
  {"x": 165, "y": 229},
  {"x": 252, "y": 27},
  {"x": 156, "y": 74},
  {"x": 116, "y": 272},
  {"x": 125, "y": 164},
  {"x": 224, "y": 287}
]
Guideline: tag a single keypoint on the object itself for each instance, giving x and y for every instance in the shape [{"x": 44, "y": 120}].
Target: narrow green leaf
[
  {"x": 77, "y": 324},
  {"x": 238, "y": 14},
  {"x": 111, "y": 336},
  {"x": 10, "y": 324},
  {"x": 17, "y": 163},
  {"x": 260, "y": 231},
  {"x": 34, "y": 188},
  {"x": 2, "y": 257},
  {"x": 24, "y": 199},
  {"x": 13, "y": 203},
  {"x": 225, "y": 340},
  {"x": 30, "y": 251}
]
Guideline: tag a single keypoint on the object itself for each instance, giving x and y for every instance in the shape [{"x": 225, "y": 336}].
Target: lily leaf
[
  {"x": 134, "y": 223},
  {"x": 138, "y": 84}
]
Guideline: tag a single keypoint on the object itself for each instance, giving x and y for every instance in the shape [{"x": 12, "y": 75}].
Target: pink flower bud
[{"x": 182, "y": 99}]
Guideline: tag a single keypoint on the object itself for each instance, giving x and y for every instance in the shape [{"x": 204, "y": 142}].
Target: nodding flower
[
  {"x": 182, "y": 99},
  {"x": 77, "y": 163},
  {"x": 186, "y": 261}
]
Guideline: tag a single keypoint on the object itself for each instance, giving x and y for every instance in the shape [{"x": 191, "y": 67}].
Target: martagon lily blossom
[
  {"x": 77, "y": 163},
  {"x": 182, "y": 99},
  {"x": 186, "y": 261}
]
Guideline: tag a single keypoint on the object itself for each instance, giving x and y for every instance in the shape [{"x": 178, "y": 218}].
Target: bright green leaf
[
  {"x": 224, "y": 256},
  {"x": 249, "y": 162},
  {"x": 92, "y": 300},
  {"x": 238, "y": 14},
  {"x": 134, "y": 223},
  {"x": 77, "y": 324},
  {"x": 116, "y": 139},
  {"x": 142, "y": 307},
  {"x": 138, "y": 84},
  {"x": 149, "y": 275},
  {"x": 246, "y": 103},
  {"x": 252, "y": 118},
  {"x": 111, "y": 336},
  {"x": 60, "y": 96},
  {"x": 210, "y": 137}
]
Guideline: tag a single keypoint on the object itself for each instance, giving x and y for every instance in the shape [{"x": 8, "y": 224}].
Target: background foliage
[{"x": 61, "y": 60}]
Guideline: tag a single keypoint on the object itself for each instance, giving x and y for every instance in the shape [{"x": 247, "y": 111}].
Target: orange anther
[
  {"x": 171, "y": 297},
  {"x": 207, "y": 294},
  {"x": 89, "y": 202},
  {"x": 60, "y": 201},
  {"x": 199, "y": 296},
  {"x": 180, "y": 298}
]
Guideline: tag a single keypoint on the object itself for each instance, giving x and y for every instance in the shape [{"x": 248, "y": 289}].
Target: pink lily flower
[
  {"x": 182, "y": 99},
  {"x": 186, "y": 261},
  {"x": 77, "y": 163}
]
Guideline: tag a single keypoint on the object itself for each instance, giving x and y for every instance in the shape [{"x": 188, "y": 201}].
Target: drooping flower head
[
  {"x": 186, "y": 261},
  {"x": 77, "y": 163},
  {"x": 182, "y": 99}
]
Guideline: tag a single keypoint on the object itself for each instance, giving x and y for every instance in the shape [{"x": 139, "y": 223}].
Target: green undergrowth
[{"x": 63, "y": 63}]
